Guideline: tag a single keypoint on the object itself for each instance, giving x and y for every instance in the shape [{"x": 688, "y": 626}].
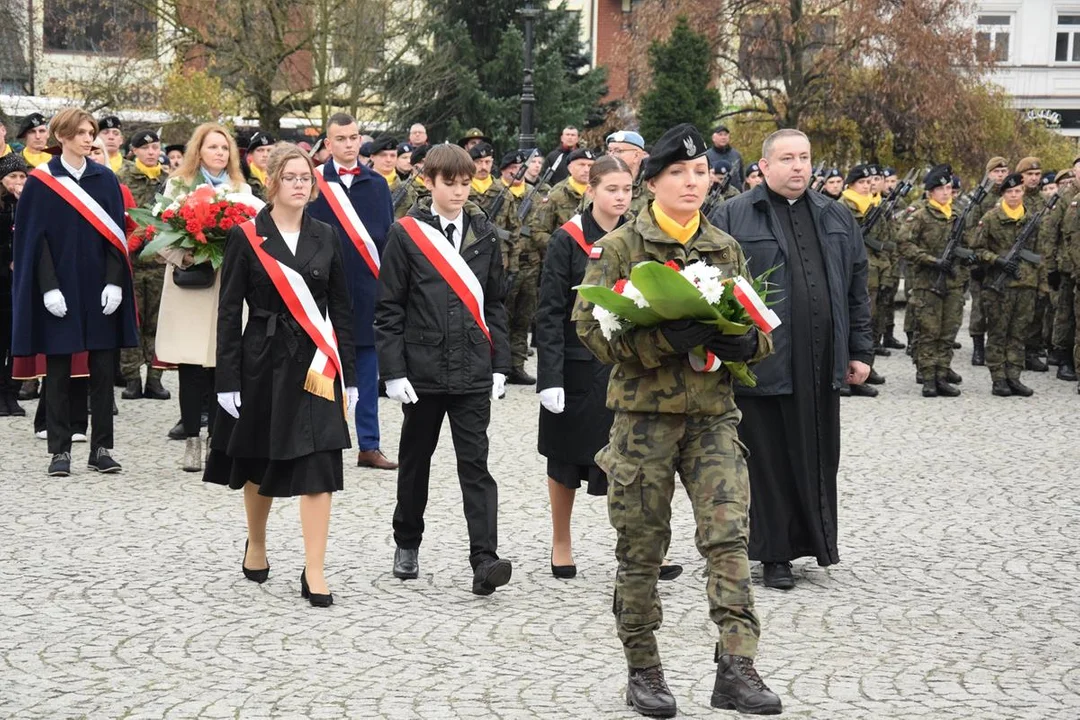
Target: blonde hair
[
  {"x": 280, "y": 156},
  {"x": 67, "y": 122},
  {"x": 189, "y": 167}
]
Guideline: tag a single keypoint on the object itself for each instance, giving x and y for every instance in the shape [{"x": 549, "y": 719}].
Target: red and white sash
[
  {"x": 85, "y": 205},
  {"x": 448, "y": 262},
  {"x": 346, "y": 215},
  {"x": 574, "y": 229},
  {"x": 755, "y": 307},
  {"x": 326, "y": 366}
]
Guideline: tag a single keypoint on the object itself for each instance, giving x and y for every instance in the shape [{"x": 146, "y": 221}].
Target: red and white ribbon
[
  {"x": 711, "y": 363},
  {"x": 574, "y": 229},
  {"x": 765, "y": 319},
  {"x": 354, "y": 227},
  {"x": 84, "y": 204}
]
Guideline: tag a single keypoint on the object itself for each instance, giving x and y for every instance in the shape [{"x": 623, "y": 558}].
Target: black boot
[
  {"x": 863, "y": 390},
  {"x": 891, "y": 341},
  {"x": 11, "y": 400},
  {"x": 845, "y": 391},
  {"x": 154, "y": 389},
  {"x": 777, "y": 575},
  {"x": 1033, "y": 363},
  {"x": 518, "y": 376},
  {"x": 133, "y": 391},
  {"x": 647, "y": 692},
  {"x": 1019, "y": 388},
  {"x": 1066, "y": 371},
  {"x": 1001, "y": 389},
  {"x": 910, "y": 340},
  {"x": 874, "y": 378},
  {"x": 919, "y": 377},
  {"x": 956, "y": 345},
  {"x": 930, "y": 388},
  {"x": 739, "y": 687},
  {"x": 1054, "y": 357},
  {"x": 944, "y": 389},
  {"x": 30, "y": 390},
  {"x": 951, "y": 376},
  {"x": 978, "y": 351},
  {"x": 880, "y": 351}
]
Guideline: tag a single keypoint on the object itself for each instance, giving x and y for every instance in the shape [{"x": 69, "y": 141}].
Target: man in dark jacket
[
  {"x": 444, "y": 349},
  {"x": 791, "y": 419},
  {"x": 722, "y": 150},
  {"x": 568, "y": 143}
]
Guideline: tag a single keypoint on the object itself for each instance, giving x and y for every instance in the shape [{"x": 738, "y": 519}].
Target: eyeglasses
[{"x": 297, "y": 179}]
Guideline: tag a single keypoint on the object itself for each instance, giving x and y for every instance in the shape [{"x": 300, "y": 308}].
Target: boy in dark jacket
[{"x": 440, "y": 330}]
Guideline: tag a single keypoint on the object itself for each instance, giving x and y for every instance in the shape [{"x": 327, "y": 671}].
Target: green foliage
[{"x": 681, "y": 75}]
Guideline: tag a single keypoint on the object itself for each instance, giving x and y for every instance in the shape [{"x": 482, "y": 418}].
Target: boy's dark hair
[
  {"x": 340, "y": 119},
  {"x": 448, "y": 162}
]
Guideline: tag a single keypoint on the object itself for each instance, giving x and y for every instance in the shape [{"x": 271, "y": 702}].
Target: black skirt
[
  {"x": 571, "y": 476},
  {"x": 307, "y": 475},
  {"x": 574, "y": 436}
]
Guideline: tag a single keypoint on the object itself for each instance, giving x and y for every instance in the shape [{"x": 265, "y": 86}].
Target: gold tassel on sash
[{"x": 318, "y": 384}]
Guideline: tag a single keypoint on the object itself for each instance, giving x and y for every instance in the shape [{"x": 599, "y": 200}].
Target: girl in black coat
[
  {"x": 12, "y": 179},
  {"x": 279, "y": 433}
]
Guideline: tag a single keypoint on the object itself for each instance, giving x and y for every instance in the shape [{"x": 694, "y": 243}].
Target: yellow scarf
[
  {"x": 482, "y": 186},
  {"x": 7, "y": 150},
  {"x": 518, "y": 191},
  {"x": 862, "y": 203},
  {"x": 116, "y": 162},
  {"x": 1012, "y": 214},
  {"x": 391, "y": 179},
  {"x": 875, "y": 199},
  {"x": 257, "y": 174},
  {"x": 577, "y": 187},
  {"x": 33, "y": 159},
  {"x": 152, "y": 172},
  {"x": 674, "y": 229},
  {"x": 945, "y": 209}
]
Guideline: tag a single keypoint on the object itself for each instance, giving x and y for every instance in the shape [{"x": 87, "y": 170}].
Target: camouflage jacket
[
  {"x": 883, "y": 233},
  {"x": 520, "y": 250},
  {"x": 484, "y": 200},
  {"x": 992, "y": 198},
  {"x": 640, "y": 198},
  {"x": 143, "y": 187},
  {"x": 996, "y": 233},
  {"x": 561, "y": 204},
  {"x": 923, "y": 237},
  {"x": 415, "y": 191},
  {"x": 649, "y": 376},
  {"x": 1050, "y": 231},
  {"x": 1068, "y": 251}
]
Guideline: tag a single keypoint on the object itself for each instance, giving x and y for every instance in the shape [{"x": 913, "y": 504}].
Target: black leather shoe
[
  {"x": 892, "y": 343},
  {"x": 845, "y": 391},
  {"x": 1066, "y": 371},
  {"x": 12, "y": 406},
  {"x": 315, "y": 599},
  {"x": 490, "y": 575},
  {"x": 978, "y": 352},
  {"x": 1019, "y": 388},
  {"x": 956, "y": 345},
  {"x": 863, "y": 390},
  {"x": 60, "y": 466},
  {"x": 177, "y": 432},
  {"x": 133, "y": 391},
  {"x": 777, "y": 575},
  {"x": 875, "y": 378},
  {"x": 739, "y": 687},
  {"x": 1001, "y": 389},
  {"x": 102, "y": 461},
  {"x": 880, "y": 351},
  {"x": 258, "y": 576},
  {"x": 29, "y": 391},
  {"x": 944, "y": 389},
  {"x": 155, "y": 390},
  {"x": 518, "y": 376},
  {"x": 563, "y": 572},
  {"x": 1033, "y": 363},
  {"x": 406, "y": 563},
  {"x": 670, "y": 572},
  {"x": 929, "y": 388},
  {"x": 647, "y": 692}
]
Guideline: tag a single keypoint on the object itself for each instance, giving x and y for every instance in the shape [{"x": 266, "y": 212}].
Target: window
[
  {"x": 114, "y": 27},
  {"x": 1067, "y": 43},
  {"x": 992, "y": 37}
]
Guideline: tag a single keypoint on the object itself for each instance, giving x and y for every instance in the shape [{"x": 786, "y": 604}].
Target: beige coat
[{"x": 187, "y": 318}]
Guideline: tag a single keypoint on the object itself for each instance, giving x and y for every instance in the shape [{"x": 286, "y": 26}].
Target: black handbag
[{"x": 196, "y": 277}]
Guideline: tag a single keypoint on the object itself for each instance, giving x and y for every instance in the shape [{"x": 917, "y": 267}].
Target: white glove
[
  {"x": 351, "y": 396},
  {"x": 230, "y": 403},
  {"x": 553, "y": 400},
  {"x": 110, "y": 299},
  {"x": 498, "y": 386},
  {"x": 401, "y": 390},
  {"x": 55, "y": 303}
]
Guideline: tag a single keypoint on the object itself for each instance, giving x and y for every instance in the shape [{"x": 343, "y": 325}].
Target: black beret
[
  {"x": 581, "y": 154},
  {"x": 259, "y": 139},
  {"x": 481, "y": 150},
  {"x": 31, "y": 121},
  {"x": 1011, "y": 181},
  {"x": 419, "y": 153},
  {"x": 679, "y": 144},
  {"x": 169, "y": 148},
  {"x": 12, "y": 162},
  {"x": 404, "y": 148},
  {"x": 511, "y": 158},
  {"x": 721, "y": 167},
  {"x": 858, "y": 172},
  {"x": 1047, "y": 178},
  {"x": 753, "y": 168},
  {"x": 875, "y": 169},
  {"x": 365, "y": 149},
  {"x": 939, "y": 176},
  {"x": 383, "y": 143},
  {"x": 319, "y": 144},
  {"x": 888, "y": 171},
  {"x": 956, "y": 182},
  {"x": 144, "y": 138},
  {"x": 110, "y": 122},
  {"x": 833, "y": 172}
]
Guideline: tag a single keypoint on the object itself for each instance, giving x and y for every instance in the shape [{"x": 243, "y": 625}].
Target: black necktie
[{"x": 449, "y": 230}]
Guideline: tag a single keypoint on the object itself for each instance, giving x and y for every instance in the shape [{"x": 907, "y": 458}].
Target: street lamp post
[{"x": 527, "y": 138}]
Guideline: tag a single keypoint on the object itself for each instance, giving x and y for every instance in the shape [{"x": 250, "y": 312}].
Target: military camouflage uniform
[
  {"x": 976, "y": 323},
  {"x": 1052, "y": 244},
  {"x": 521, "y": 256},
  {"x": 562, "y": 203},
  {"x": 148, "y": 278},
  {"x": 1045, "y": 245},
  {"x": 414, "y": 192},
  {"x": 910, "y": 312},
  {"x": 880, "y": 247},
  {"x": 1008, "y": 314},
  {"x": 668, "y": 419},
  {"x": 640, "y": 198},
  {"x": 485, "y": 199},
  {"x": 1068, "y": 262},
  {"x": 923, "y": 237}
]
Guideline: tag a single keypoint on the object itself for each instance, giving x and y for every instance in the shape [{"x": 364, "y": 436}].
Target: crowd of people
[{"x": 420, "y": 271}]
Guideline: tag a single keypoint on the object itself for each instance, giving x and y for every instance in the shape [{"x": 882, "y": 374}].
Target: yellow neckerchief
[
  {"x": 7, "y": 150},
  {"x": 152, "y": 172},
  {"x": 518, "y": 191},
  {"x": 482, "y": 186},
  {"x": 33, "y": 159},
  {"x": 672, "y": 228},
  {"x": 257, "y": 174},
  {"x": 578, "y": 188},
  {"x": 1014, "y": 215},
  {"x": 862, "y": 203},
  {"x": 116, "y": 162},
  {"x": 875, "y": 199},
  {"x": 391, "y": 179},
  {"x": 945, "y": 209}
]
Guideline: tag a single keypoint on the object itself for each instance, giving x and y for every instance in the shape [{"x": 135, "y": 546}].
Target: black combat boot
[
  {"x": 874, "y": 378},
  {"x": 154, "y": 389},
  {"x": 777, "y": 575},
  {"x": 956, "y": 345},
  {"x": 648, "y": 693},
  {"x": 978, "y": 351},
  {"x": 1066, "y": 371},
  {"x": 1001, "y": 389},
  {"x": 880, "y": 350},
  {"x": 919, "y": 379},
  {"x": 1019, "y": 388},
  {"x": 133, "y": 391},
  {"x": 1053, "y": 357},
  {"x": 929, "y": 387},
  {"x": 518, "y": 376},
  {"x": 1033, "y": 363},
  {"x": 951, "y": 376},
  {"x": 944, "y": 389},
  {"x": 891, "y": 341},
  {"x": 739, "y": 687},
  {"x": 910, "y": 339}
]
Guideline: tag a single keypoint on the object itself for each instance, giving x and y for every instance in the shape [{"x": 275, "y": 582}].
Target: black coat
[
  {"x": 575, "y": 435},
  {"x": 7, "y": 232},
  {"x": 267, "y": 361},
  {"x": 422, "y": 329},
  {"x": 751, "y": 221}
]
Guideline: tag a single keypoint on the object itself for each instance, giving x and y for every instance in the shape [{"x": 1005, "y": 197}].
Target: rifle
[
  {"x": 1018, "y": 251},
  {"x": 817, "y": 178},
  {"x": 954, "y": 248},
  {"x": 496, "y": 206},
  {"x": 885, "y": 208},
  {"x": 713, "y": 197},
  {"x": 526, "y": 203},
  {"x": 403, "y": 188}
]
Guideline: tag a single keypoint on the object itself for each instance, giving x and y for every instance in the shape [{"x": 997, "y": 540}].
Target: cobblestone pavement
[{"x": 121, "y": 596}]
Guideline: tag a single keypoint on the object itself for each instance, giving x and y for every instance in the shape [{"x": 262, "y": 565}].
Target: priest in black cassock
[{"x": 791, "y": 419}]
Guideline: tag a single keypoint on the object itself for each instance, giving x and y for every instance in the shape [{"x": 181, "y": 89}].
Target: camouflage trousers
[
  {"x": 1008, "y": 319},
  {"x": 148, "y": 280},
  {"x": 644, "y": 453},
  {"x": 1063, "y": 334},
  {"x": 521, "y": 309},
  {"x": 1042, "y": 323},
  {"x": 879, "y": 285},
  {"x": 937, "y": 321},
  {"x": 976, "y": 323},
  {"x": 911, "y": 312}
]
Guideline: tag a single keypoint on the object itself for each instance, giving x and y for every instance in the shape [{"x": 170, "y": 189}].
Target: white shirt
[
  {"x": 458, "y": 223},
  {"x": 346, "y": 180},
  {"x": 75, "y": 173},
  {"x": 291, "y": 238}
]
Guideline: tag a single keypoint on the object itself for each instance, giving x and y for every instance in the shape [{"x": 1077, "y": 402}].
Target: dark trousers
[
  {"x": 58, "y": 401},
  {"x": 78, "y": 391},
  {"x": 469, "y": 418},
  {"x": 367, "y": 404},
  {"x": 196, "y": 383}
]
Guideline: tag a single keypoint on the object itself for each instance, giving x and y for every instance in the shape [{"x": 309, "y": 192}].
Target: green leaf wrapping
[{"x": 622, "y": 306}]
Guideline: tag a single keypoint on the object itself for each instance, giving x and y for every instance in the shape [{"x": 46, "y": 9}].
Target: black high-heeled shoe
[
  {"x": 258, "y": 576},
  {"x": 315, "y": 599}
]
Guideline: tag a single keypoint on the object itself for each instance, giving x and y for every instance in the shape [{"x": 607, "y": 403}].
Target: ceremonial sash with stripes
[
  {"x": 326, "y": 366},
  {"x": 574, "y": 229},
  {"x": 441, "y": 253},
  {"x": 345, "y": 213},
  {"x": 91, "y": 210}
]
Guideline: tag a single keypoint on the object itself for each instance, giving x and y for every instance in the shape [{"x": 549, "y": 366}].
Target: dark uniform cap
[
  {"x": 473, "y": 134},
  {"x": 31, "y": 121},
  {"x": 856, "y": 173},
  {"x": 12, "y": 162},
  {"x": 888, "y": 172},
  {"x": 259, "y": 139},
  {"x": 679, "y": 144},
  {"x": 404, "y": 148},
  {"x": 144, "y": 138},
  {"x": 511, "y": 158},
  {"x": 580, "y": 154},
  {"x": 1028, "y": 163},
  {"x": 110, "y": 122},
  {"x": 939, "y": 176},
  {"x": 996, "y": 162},
  {"x": 1047, "y": 178},
  {"x": 482, "y": 150},
  {"x": 318, "y": 144},
  {"x": 875, "y": 169},
  {"x": 169, "y": 148},
  {"x": 956, "y": 182},
  {"x": 721, "y": 128},
  {"x": 721, "y": 167},
  {"x": 1065, "y": 174},
  {"x": 419, "y": 153},
  {"x": 753, "y": 168},
  {"x": 833, "y": 172},
  {"x": 365, "y": 149},
  {"x": 383, "y": 143},
  {"x": 1013, "y": 180}
]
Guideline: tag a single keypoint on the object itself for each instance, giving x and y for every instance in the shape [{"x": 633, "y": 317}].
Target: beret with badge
[
  {"x": 939, "y": 176},
  {"x": 858, "y": 172},
  {"x": 626, "y": 136},
  {"x": 996, "y": 162},
  {"x": 515, "y": 157},
  {"x": 145, "y": 138},
  {"x": 481, "y": 150},
  {"x": 1012, "y": 181},
  {"x": 681, "y": 143},
  {"x": 31, "y": 121},
  {"x": 580, "y": 154},
  {"x": 110, "y": 122},
  {"x": 258, "y": 140},
  {"x": 1028, "y": 163},
  {"x": 721, "y": 167},
  {"x": 383, "y": 143}
]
